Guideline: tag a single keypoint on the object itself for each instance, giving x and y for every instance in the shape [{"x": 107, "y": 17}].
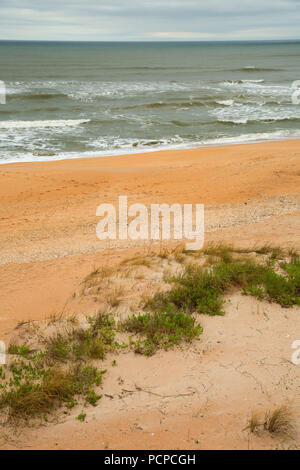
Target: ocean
[{"x": 66, "y": 100}]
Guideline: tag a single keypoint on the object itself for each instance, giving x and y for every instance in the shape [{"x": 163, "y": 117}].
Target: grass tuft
[
  {"x": 254, "y": 422},
  {"x": 84, "y": 344},
  {"x": 36, "y": 383},
  {"x": 28, "y": 398},
  {"x": 280, "y": 421},
  {"x": 22, "y": 350},
  {"x": 81, "y": 417},
  {"x": 161, "y": 329}
]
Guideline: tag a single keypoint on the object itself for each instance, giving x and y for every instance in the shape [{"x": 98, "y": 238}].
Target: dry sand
[{"x": 199, "y": 398}]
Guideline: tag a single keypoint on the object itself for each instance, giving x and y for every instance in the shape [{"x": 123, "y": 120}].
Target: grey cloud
[{"x": 146, "y": 20}]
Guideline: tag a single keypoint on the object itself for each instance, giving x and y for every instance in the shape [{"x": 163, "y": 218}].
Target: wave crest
[{"x": 41, "y": 124}]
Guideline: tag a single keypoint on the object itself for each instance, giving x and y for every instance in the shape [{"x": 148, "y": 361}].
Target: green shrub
[
  {"x": 201, "y": 289},
  {"x": 161, "y": 329},
  {"x": 26, "y": 397}
]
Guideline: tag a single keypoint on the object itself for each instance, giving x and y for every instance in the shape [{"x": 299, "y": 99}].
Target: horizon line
[{"x": 152, "y": 40}]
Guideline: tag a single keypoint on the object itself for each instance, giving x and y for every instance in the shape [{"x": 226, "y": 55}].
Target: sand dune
[{"x": 203, "y": 395}]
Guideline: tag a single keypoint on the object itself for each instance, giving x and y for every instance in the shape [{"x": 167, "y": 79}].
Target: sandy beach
[{"x": 48, "y": 245}]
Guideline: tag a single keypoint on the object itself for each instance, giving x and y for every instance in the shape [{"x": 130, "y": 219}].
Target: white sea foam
[
  {"x": 117, "y": 107},
  {"x": 234, "y": 121},
  {"x": 240, "y": 113},
  {"x": 226, "y": 102},
  {"x": 89, "y": 91},
  {"x": 257, "y": 88},
  {"x": 118, "y": 146},
  {"x": 253, "y": 81},
  {"x": 41, "y": 124},
  {"x": 253, "y": 137}
]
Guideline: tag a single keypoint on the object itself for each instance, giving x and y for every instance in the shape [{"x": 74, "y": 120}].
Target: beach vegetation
[
  {"x": 61, "y": 369},
  {"x": 202, "y": 289},
  {"x": 279, "y": 420},
  {"x": 81, "y": 417},
  {"x": 161, "y": 329},
  {"x": 37, "y": 382}
]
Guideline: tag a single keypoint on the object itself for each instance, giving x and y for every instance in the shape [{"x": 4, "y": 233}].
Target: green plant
[
  {"x": 201, "y": 289},
  {"x": 161, "y": 329},
  {"x": 22, "y": 350},
  {"x": 84, "y": 344},
  {"x": 34, "y": 392},
  {"x": 39, "y": 382},
  {"x": 92, "y": 397},
  {"x": 58, "y": 348},
  {"x": 81, "y": 417}
]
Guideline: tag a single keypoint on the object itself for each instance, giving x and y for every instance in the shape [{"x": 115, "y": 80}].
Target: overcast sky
[{"x": 148, "y": 20}]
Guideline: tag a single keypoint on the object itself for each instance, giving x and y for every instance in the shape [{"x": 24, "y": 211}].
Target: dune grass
[
  {"x": 161, "y": 329},
  {"x": 279, "y": 420},
  {"x": 62, "y": 371},
  {"x": 37, "y": 382},
  {"x": 83, "y": 344},
  {"x": 27, "y": 397},
  {"x": 201, "y": 290}
]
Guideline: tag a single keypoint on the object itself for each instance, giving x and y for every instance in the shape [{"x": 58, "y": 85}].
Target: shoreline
[{"x": 142, "y": 152}]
